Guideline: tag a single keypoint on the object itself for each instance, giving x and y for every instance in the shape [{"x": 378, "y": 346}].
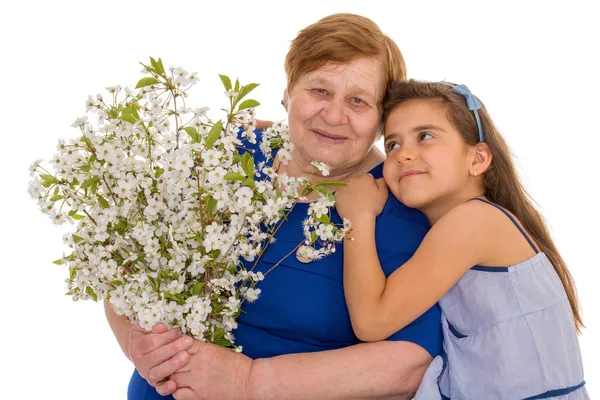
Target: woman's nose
[{"x": 334, "y": 113}]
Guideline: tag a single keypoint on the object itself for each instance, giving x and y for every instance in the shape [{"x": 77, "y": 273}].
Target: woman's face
[{"x": 333, "y": 114}]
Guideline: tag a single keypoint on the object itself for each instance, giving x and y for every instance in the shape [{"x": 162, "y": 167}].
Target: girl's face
[{"x": 427, "y": 159}]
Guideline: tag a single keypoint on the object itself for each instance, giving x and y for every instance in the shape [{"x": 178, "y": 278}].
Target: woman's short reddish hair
[{"x": 340, "y": 38}]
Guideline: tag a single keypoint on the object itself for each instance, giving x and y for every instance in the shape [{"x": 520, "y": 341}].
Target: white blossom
[{"x": 158, "y": 230}]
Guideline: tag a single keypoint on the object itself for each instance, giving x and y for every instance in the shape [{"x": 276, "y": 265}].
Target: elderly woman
[{"x": 297, "y": 339}]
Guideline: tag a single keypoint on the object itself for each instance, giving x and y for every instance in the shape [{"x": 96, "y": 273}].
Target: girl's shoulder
[{"x": 494, "y": 230}]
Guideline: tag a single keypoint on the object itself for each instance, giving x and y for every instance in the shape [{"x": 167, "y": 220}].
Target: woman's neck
[
  {"x": 296, "y": 168},
  {"x": 300, "y": 168}
]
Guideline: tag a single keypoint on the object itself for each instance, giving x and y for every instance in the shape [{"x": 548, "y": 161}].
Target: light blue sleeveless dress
[{"x": 508, "y": 334}]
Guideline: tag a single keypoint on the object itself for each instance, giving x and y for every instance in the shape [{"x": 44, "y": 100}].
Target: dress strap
[{"x": 511, "y": 218}]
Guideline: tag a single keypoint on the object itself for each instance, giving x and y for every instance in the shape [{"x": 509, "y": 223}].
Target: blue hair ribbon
[{"x": 472, "y": 103}]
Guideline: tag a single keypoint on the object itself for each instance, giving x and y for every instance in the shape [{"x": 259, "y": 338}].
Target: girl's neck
[{"x": 438, "y": 208}]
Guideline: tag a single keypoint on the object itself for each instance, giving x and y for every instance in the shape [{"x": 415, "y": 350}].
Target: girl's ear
[{"x": 481, "y": 160}]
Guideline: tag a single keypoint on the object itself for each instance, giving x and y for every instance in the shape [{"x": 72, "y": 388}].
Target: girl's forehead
[{"x": 418, "y": 111}]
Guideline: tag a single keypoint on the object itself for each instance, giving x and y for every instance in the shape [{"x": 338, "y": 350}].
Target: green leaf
[
  {"x": 219, "y": 333},
  {"x": 211, "y": 204},
  {"x": 47, "y": 178},
  {"x": 223, "y": 342},
  {"x": 215, "y": 254},
  {"x": 250, "y": 167},
  {"x": 153, "y": 283},
  {"x": 87, "y": 142},
  {"x": 276, "y": 143},
  {"x": 192, "y": 133},
  {"x": 248, "y": 104},
  {"x": 324, "y": 218},
  {"x": 159, "y": 172},
  {"x": 153, "y": 63},
  {"x": 246, "y": 160},
  {"x": 77, "y": 217},
  {"x": 331, "y": 183},
  {"x": 89, "y": 291},
  {"x": 325, "y": 192},
  {"x": 129, "y": 114},
  {"x": 102, "y": 201},
  {"x": 157, "y": 65},
  {"x": 249, "y": 182},
  {"x": 226, "y": 82},
  {"x": 161, "y": 67},
  {"x": 146, "y": 82},
  {"x": 237, "y": 85},
  {"x": 94, "y": 186},
  {"x": 245, "y": 90},
  {"x": 89, "y": 182},
  {"x": 214, "y": 134},
  {"x": 115, "y": 282},
  {"x": 197, "y": 289},
  {"x": 234, "y": 176},
  {"x": 313, "y": 237},
  {"x": 58, "y": 262},
  {"x": 57, "y": 197},
  {"x": 236, "y": 158},
  {"x": 178, "y": 298},
  {"x": 76, "y": 238}
]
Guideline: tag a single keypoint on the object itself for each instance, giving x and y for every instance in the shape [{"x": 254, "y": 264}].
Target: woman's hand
[
  {"x": 364, "y": 196},
  {"x": 159, "y": 353},
  {"x": 212, "y": 372}
]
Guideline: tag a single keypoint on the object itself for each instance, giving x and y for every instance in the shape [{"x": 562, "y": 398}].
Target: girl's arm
[{"x": 379, "y": 306}]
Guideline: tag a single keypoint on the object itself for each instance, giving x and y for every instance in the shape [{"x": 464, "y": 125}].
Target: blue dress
[
  {"x": 509, "y": 334},
  {"x": 302, "y": 307}
]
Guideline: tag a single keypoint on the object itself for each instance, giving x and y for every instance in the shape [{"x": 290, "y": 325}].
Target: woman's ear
[
  {"x": 482, "y": 158},
  {"x": 284, "y": 102}
]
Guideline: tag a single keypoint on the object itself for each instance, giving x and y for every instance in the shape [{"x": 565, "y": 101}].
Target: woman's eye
[
  {"x": 320, "y": 90},
  {"x": 357, "y": 101},
  {"x": 425, "y": 136}
]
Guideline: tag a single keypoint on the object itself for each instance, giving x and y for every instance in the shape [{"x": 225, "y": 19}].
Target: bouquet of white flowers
[{"x": 167, "y": 204}]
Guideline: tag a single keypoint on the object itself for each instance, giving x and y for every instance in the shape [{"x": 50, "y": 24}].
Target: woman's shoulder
[{"x": 394, "y": 213}]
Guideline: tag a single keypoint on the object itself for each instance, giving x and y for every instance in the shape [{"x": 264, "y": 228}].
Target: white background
[{"x": 534, "y": 64}]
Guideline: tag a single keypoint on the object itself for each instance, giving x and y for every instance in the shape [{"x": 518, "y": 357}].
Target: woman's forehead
[{"x": 361, "y": 75}]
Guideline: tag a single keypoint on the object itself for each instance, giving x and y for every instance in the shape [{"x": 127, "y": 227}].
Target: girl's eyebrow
[{"x": 427, "y": 127}]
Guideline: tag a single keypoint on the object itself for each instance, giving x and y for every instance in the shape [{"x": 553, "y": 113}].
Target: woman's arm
[
  {"x": 379, "y": 306},
  {"x": 369, "y": 370},
  {"x": 120, "y": 327}
]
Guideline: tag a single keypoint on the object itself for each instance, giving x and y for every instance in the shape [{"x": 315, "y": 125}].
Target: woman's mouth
[{"x": 327, "y": 137}]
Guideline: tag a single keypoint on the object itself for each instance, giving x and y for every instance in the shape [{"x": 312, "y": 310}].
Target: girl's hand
[{"x": 364, "y": 196}]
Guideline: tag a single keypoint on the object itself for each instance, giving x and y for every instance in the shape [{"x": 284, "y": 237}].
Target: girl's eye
[
  {"x": 425, "y": 136},
  {"x": 391, "y": 146}
]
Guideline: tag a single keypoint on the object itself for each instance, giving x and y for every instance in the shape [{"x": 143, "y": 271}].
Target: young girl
[{"x": 510, "y": 313}]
